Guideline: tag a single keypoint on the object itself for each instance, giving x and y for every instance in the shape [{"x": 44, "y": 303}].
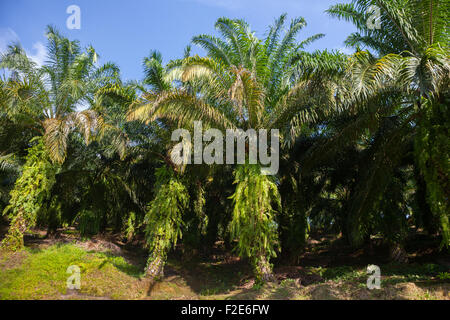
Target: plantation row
[{"x": 364, "y": 148}]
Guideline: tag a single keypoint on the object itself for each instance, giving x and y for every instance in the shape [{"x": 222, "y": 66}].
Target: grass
[
  {"x": 41, "y": 274},
  {"x": 397, "y": 273},
  {"x": 390, "y": 273},
  {"x": 341, "y": 273}
]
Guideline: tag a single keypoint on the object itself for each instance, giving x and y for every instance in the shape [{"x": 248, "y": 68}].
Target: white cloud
[
  {"x": 41, "y": 53},
  {"x": 7, "y": 36},
  {"x": 345, "y": 50}
]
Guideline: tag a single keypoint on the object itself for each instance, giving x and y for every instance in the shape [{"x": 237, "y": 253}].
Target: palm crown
[{"x": 49, "y": 96}]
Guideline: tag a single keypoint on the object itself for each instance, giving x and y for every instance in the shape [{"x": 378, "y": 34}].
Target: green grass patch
[
  {"x": 398, "y": 273},
  {"x": 42, "y": 274},
  {"x": 391, "y": 273},
  {"x": 341, "y": 273}
]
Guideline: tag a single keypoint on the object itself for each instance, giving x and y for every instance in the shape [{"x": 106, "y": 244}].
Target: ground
[{"x": 111, "y": 269}]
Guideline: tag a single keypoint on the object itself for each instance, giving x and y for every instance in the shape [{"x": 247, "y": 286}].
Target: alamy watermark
[
  {"x": 374, "y": 280},
  {"x": 74, "y": 20},
  {"x": 74, "y": 280},
  {"x": 374, "y": 21},
  {"x": 238, "y": 144}
]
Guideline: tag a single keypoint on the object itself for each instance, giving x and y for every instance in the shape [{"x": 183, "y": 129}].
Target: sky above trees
[{"x": 125, "y": 31}]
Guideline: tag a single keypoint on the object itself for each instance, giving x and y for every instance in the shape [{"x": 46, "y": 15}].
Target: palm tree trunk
[
  {"x": 155, "y": 267},
  {"x": 263, "y": 269},
  {"x": 397, "y": 253}
]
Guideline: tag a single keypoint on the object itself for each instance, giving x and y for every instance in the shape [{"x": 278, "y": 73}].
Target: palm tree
[
  {"x": 399, "y": 91},
  {"x": 163, "y": 214},
  {"x": 45, "y": 99},
  {"x": 245, "y": 83}
]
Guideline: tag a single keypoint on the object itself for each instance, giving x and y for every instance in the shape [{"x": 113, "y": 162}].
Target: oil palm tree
[
  {"x": 46, "y": 99},
  {"x": 398, "y": 91},
  {"x": 244, "y": 83},
  {"x": 163, "y": 218}
]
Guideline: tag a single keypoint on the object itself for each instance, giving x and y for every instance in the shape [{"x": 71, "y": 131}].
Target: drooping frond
[
  {"x": 182, "y": 107},
  {"x": 57, "y": 131},
  {"x": 247, "y": 94},
  {"x": 9, "y": 163},
  {"x": 396, "y": 33}
]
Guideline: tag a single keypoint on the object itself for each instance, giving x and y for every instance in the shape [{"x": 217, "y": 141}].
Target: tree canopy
[{"x": 364, "y": 148}]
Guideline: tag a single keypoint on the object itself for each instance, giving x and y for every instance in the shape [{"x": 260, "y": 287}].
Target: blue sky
[{"x": 124, "y": 32}]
